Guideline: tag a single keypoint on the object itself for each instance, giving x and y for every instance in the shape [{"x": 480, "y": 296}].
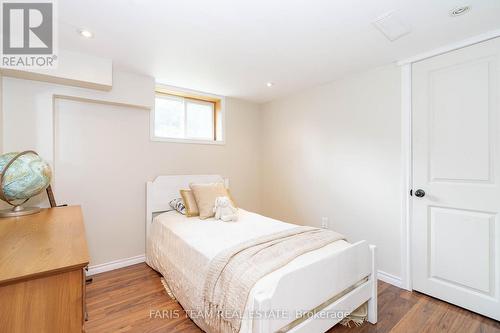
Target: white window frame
[{"x": 222, "y": 115}]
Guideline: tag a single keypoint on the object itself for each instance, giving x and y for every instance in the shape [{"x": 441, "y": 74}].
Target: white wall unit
[{"x": 74, "y": 69}]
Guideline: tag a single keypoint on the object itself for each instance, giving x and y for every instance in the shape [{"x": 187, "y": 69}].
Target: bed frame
[{"x": 305, "y": 288}]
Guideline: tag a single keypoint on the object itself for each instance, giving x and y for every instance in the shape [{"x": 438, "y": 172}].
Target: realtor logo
[{"x": 28, "y": 34}]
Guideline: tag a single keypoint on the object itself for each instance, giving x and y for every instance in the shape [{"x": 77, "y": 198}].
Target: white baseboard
[
  {"x": 109, "y": 266},
  {"x": 389, "y": 278}
]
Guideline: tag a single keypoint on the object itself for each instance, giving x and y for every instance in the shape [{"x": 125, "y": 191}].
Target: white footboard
[{"x": 311, "y": 286}]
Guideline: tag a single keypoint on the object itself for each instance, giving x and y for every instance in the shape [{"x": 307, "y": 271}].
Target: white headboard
[{"x": 160, "y": 191}]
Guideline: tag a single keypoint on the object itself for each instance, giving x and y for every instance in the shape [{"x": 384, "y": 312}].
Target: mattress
[{"x": 181, "y": 247}]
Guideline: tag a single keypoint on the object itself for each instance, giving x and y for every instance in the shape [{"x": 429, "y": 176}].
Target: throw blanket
[{"x": 232, "y": 273}]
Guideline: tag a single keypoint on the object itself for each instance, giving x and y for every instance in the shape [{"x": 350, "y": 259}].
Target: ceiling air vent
[{"x": 391, "y": 26}]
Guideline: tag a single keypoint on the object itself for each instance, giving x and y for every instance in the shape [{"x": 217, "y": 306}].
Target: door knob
[{"x": 420, "y": 193}]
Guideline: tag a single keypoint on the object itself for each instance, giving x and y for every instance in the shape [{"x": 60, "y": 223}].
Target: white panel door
[{"x": 456, "y": 171}]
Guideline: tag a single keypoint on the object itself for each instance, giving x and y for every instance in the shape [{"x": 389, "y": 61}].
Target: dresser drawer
[{"x": 48, "y": 304}]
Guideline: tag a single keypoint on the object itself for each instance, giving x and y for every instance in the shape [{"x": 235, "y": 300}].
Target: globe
[{"x": 27, "y": 176}]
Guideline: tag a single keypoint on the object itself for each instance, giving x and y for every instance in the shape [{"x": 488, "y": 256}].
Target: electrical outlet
[{"x": 324, "y": 222}]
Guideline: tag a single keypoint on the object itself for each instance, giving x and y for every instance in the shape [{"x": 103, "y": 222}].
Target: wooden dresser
[{"x": 42, "y": 277}]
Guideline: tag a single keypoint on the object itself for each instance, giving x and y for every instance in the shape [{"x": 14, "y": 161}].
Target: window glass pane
[
  {"x": 169, "y": 118},
  {"x": 200, "y": 120}
]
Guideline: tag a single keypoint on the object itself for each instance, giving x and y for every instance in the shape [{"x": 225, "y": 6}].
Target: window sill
[{"x": 188, "y": 141}]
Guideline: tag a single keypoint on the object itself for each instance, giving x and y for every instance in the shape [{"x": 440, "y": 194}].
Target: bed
[{"x": 306, "y": 295}]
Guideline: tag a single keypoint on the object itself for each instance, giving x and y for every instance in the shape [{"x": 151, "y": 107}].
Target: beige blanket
[{"x": 232, "y": 273}]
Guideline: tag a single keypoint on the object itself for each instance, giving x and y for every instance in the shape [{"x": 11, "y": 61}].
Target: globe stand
[
  {"x": 19, "y": 211},
  {"x": 18, "y": 208}
]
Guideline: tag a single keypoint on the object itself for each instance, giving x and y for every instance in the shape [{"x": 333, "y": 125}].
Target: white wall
[
  {"x": 104, "y": 156},
  {"x": 334, "y": 151}
]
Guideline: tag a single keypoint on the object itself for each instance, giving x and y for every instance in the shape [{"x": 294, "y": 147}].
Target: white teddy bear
[{"x": 224, "y": 210}]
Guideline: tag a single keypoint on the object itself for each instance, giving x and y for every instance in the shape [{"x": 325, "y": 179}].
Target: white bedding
[{"x": 180, "y": 248}]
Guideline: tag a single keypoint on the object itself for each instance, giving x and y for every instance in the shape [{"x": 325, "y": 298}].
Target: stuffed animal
[{"x": 224, "y": 210}]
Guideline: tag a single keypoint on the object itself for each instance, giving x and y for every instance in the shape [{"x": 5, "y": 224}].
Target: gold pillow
[
  {"x": 205, "y": 195},
  {"x": 189, "y": 203}
]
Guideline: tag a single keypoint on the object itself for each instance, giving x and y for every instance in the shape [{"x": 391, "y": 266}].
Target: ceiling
[{"x": 234, "y": 47}]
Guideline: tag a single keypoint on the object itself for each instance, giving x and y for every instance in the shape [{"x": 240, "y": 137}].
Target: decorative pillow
[
  {"x": 205, "y": 195},
  {"x": 189, "y": 203},
  {"x": 178, "y": 205}
]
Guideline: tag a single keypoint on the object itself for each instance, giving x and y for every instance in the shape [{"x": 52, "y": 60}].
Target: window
[{"x": 181, "y": 116}]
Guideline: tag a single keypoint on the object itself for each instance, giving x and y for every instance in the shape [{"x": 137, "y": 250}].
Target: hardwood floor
[{"x": 132, "y": 299}]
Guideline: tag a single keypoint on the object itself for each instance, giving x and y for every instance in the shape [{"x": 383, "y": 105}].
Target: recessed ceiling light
[
  {"x": 85, "y": 33},
  {"x": 269, "y": 84},
  {"x": 459, "y": 10}
]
